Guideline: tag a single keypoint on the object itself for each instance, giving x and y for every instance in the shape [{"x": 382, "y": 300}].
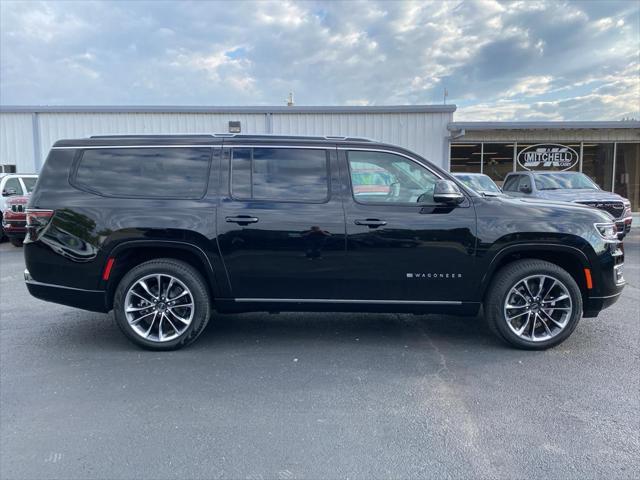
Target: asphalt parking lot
[{"x": 315, "y": 395}]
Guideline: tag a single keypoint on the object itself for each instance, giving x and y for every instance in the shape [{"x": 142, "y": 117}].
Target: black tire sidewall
[
  {"x": 506, "y": 278},
  {"x": 185, "y": 273}
]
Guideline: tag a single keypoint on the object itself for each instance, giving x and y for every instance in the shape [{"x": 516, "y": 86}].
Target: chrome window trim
[
  {"x": 95, "y": 147},
  {"x": 329, "y": 300},
  {"x": 272, "y": 145}
]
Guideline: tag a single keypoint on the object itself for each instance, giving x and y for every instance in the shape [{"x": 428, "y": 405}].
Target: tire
[
  {"x": 541, "y": 332},
  {"x": 16, "y": 242},
  {"x": 177, "y": 334}
]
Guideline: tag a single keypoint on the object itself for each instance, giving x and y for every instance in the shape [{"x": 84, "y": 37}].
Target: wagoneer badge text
[
  {"x": 434, "y": 275},
  {"x": 548, "y": 156}
]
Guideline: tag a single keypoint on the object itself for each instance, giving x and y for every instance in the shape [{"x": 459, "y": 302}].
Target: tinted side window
[
  {"x": 378, "y": 177},
  {"x": 145, "y": 172},
  {"x": 280, "y": 174},
  {"x": 511, "y": 185}
]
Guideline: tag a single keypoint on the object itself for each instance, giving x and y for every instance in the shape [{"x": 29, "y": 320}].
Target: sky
[{"x": 519, "y": 60}]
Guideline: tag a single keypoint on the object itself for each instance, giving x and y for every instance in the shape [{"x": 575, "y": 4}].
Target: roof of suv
[{"x": 198, "y": 139}]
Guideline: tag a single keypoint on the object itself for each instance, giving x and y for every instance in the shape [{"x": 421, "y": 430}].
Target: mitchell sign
[{"x": 548, "y": 156}]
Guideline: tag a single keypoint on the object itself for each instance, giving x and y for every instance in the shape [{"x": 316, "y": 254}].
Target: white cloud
[{"x": 498, "y": 60}]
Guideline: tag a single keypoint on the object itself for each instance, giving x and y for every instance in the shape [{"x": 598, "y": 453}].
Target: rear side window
[
  {"x": 145, "y": 172},
  {"x": 280, "y": 174}
]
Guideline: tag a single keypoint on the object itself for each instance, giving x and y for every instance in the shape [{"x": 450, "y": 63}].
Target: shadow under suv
[{"x": 163, "y": 230}]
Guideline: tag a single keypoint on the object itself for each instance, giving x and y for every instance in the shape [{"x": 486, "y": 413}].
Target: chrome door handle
[
  {"x": 242, "y": 219},
  {"x": 371, "y": 222}
]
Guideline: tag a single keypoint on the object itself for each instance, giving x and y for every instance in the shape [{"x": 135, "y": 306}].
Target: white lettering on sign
[{"x": 548, "y": 157}]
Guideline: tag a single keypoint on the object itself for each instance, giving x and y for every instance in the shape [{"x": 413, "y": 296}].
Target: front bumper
[
  {"x": 611, "y": 282},
  {"x": 14, "y": 224},
  {"x": 14, "y": 230},
  {"x": 594, "y": 305}
]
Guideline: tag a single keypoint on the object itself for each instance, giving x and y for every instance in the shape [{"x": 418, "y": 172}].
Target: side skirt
[{"x": 231, "y": 305}]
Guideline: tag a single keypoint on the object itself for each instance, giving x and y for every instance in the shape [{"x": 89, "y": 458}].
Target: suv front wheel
[
  {"x": 162, "y": 304},
  {"x": 533, "y": 304}
]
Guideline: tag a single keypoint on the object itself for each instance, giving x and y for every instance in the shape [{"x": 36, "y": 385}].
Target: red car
[{"x": 14, "y": 219}]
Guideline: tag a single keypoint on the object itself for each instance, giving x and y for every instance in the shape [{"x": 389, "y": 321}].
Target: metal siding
[
  {"x": 555, "y": 135},
  {"x": 16, "y": 141},
  {"x": 420, "y": 132},
  {"x": 56, "y": 126}
]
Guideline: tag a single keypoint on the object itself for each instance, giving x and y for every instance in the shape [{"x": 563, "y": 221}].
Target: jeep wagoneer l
[{"x": 165, "y": 230}]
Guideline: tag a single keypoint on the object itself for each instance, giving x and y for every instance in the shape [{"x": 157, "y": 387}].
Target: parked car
[
  {"x": 14, "y": 219},
  {"x": 480, "y": 182},
  {"x": 572, "y": 187},
  {"x": 12, "y": 184},
  {"x": 163, "y": 230}
]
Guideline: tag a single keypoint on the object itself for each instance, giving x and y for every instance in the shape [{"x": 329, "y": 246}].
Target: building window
[
  {"x": 597, "y": 163},
  {"x": 465, "y": 157},
  {"x": 498, "y": 160},
  {"x": 627, "y": 181}
]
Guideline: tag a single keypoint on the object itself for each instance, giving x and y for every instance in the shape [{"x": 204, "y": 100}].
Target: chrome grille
[
  {"x": 614, "y": 208},
  {"x": 17, "y": 208}
]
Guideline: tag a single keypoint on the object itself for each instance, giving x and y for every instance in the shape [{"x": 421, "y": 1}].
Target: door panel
[
  {"x": 398, "y": 249},
  {"x": 282, "y": 232}
]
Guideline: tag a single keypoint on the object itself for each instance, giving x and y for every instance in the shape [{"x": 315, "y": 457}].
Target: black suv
[{"x": 165, "y": 229}]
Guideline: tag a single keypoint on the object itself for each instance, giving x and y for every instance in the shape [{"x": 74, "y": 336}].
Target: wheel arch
[
  {"x": 128, "y": 254},
  {"x": 569, "y": 258}
]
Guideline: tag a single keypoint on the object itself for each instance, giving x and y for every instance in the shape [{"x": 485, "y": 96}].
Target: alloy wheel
[
  {"x": 159, "y": 307},
  {"x": 538, "y": 307}
]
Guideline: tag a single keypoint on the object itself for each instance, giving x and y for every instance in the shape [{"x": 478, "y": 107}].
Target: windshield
[
  {"x": 480, "y": 183},
  {"x": 562, "y": 181}
]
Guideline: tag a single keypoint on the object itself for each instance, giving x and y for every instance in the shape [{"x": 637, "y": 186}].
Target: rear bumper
[{"x": 93, "y": 300}]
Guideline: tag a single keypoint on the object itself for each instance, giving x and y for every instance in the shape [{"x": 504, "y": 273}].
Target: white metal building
[
  {"x": 609, "y": 152},
  {"x": 27, "y": 133}
]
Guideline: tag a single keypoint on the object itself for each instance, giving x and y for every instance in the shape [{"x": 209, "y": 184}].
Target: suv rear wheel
[
  {"x": 533, "y": 304},
  {"x": 162, "y": 304}
]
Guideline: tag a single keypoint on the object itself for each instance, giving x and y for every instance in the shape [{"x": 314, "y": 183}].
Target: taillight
[{"x": 37, "y": 219}]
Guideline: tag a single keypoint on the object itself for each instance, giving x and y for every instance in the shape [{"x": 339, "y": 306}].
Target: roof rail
[
  {"x": 238, "y": 135},
  {"x": 192, "y": 135}
]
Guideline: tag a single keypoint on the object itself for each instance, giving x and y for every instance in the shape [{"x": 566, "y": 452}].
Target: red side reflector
[
  {"x": 587, "y": 277},
  {"x": 107, "y": 268}
]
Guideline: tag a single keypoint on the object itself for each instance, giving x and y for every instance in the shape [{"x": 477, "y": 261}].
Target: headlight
[{"x": 607, "y": 231}]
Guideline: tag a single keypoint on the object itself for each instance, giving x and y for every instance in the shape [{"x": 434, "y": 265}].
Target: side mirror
[
  {"x": 524, "y": 189},
  {"x": 446, "y": 191},
  {"x": 9, "y": 192}
]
